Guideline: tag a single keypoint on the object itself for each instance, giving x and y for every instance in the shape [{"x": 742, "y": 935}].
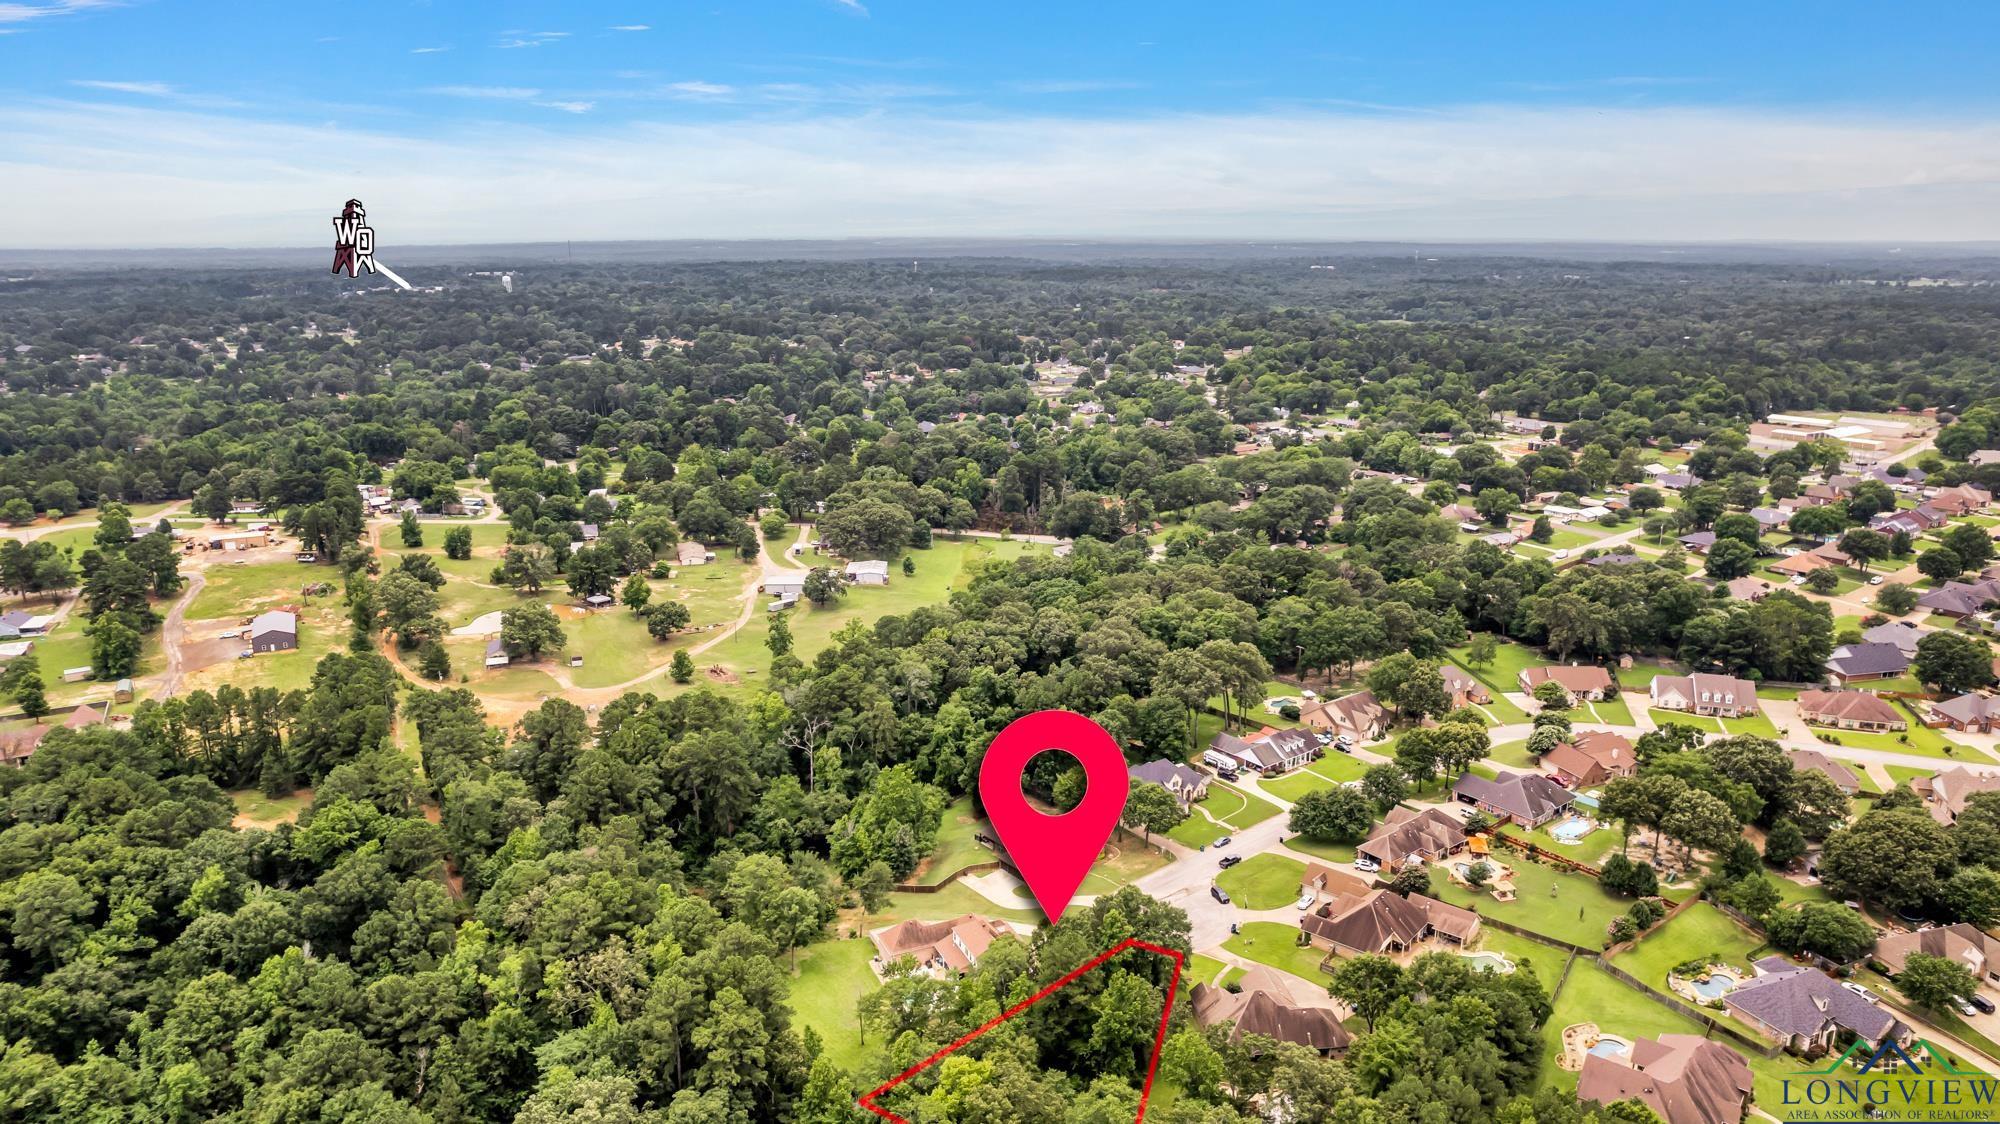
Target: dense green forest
[{"x": 590, "y": 916}]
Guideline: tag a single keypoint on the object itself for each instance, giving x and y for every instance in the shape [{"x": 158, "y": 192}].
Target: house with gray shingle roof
[
  {"x": 1530, "y": 798},
  {"x": 1187, "y": 785},
  {"x": 1807, "y": 1012}
]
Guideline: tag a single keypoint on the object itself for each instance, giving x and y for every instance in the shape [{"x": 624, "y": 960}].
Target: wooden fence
[{"x": 1545, "y": 855}]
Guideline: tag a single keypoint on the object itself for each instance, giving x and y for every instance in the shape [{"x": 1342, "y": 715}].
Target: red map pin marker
[{"x": 1053, "y": 853}]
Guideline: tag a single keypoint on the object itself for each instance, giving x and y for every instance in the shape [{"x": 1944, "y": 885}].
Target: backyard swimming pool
[
  {"x": 1489, "y": 961},
  {"x": 1571, "y": 829},
  {"x": 1713, "y": 986},
  {"x": 1609, "y": 1047}
]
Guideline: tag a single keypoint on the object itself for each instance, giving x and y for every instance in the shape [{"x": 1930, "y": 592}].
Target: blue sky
[{"x": 843, "y": 118}]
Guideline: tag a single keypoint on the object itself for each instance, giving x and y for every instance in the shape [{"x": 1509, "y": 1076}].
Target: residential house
[
  {"x": 1463, "y": 689},
  {"x": 1850, "y": 710},
  {"x": 940, "y": 948},
  {"x": 1961, "y": 500},
  {"x": 1825, "y": 494},
  {"x": 1750, "y": 589},
  {"x": 15, "y": 649},
  {"x": 1358, "y": 715},
  {"x": 1902, "y": 634},
  {"x": 1579, "y": 681},
  {"x": 1887, "y": 477},
  {"x": 1964, "y": 945},
  {"x": 1460, "y": 513},
  {"x": 496, "y": 653},
  {"x": 1770, "y": 518},
  {"x": 16, "y": 746},
  {"x": 1912, "y": 522},
  {"x": 1678, "y": 481},
  {"x": 274, "y": 631},
  {"x": 1268, "y": 1004},
  {"x": 1958, "y": 599},
  {"x": 1806, "y": 1011},
  {"x": 1717, "y": 696},
  {"x": 1813, "y": 761},
  {"x": 1699, "y": 542},
  {"x": 590, "y": 532},
  {"x": 1406, "y": 836},
  {"x": 1623, "y": 556},
  {"x": 1804, "y": 562},
  {"x": 1983, "y": 457},
  {"x": 16, "y": 624},
  {"x": 1591, "y": 758},
  {"x": 1980, "y": 713},
  {"x": 1187, "y": 785},
  {"x": 1383, "y": 921},
  {"x": 1949, "y": 789},
  {"x": 1269, "y": 751},
  {"x": 1683, "y": 1078},
  {"x": 693, "y": 554},
  {"x": 1853, "y": 663},
  {"x": 872, "y": 571},
  {"x": 1530, "y": 799},
  {"x": 1323, "y": 881}
]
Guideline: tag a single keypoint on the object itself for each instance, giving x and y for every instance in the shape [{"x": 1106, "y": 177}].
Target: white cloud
[
  {"x": 701, "y": 90},
  {"x": 853, "y": 6},
  {"x": 428, "y": 50},
  {"x": 510, "y": 40},
  {"x": 155, "y": 89},
  {"x": 568, "y": 106},
  {"x": 25, "y": 13},
  {"x": 1659, "y": 174},
  {"x": 492, "y": 93},
  {"x": 629, "y": 27}
]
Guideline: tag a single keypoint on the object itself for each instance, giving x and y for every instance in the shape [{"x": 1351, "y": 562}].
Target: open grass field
[
  {"x": 1263, "y": 881},
  {"x": 1322, "y": 849},
  {"x": 1277, "y": 946},
  {"x": 1554, "y": 903},
  {"x": 826, "y": 996},
  {"x": 237, "y": 590},
  {"x": 1702, "y": 930},
  {"x": 265, "y": 810},
  {"x": 1232, "y": 808},
  {"x": 1502, "y": 711},
  {"x": 1509, "y": 661},
  {"x": 323, "y": 628},
  {"x": 956, "y": 849},
  {"x": 1514, "y": 753}
]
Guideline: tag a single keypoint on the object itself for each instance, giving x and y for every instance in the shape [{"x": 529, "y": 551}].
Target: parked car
[
  {"x": 1230, "y": 861},
  {"x": 1876, "y": 580},
  {"x": 1979, "y": 1001},
  {"x": 1222, "y": 842},
  {"x": 1964, "y": 1006},
  {"x": 1228, "y": 774},
  {"x": 1307, "y": 899},
  {"x": 1862, "y": 992},
  {"x": 245, "y": 654},
  {"x": 1323, "y": 737},
  {"x": 1554, "y": 779},
  {"x": 1345, "y": 740},
  {"x": 1219, "y": 894},
  {"x": 1366, "y": 865}
]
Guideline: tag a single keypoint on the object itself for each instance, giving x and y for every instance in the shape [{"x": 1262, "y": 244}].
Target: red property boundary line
[{"x": 867, "y": 1100}]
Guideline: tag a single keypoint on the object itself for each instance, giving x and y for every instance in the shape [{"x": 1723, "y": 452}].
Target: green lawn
[
  {"x": 241, "y": 590},
  {"x": 1513, "y": 753},
  {"x": 1758, "y": 724},
  {"x": 1263, "y": 881},
  {"x": 826, "y": 996},
  {"x": 1590, "y": 995},
  {"x": 1590, "y": 849},
  {"x": 1322, "y": 849},
  {"x": 1196, "y": 832},
  {"x": 1568, "y": 907},
  {"x": 1613, "y": 712},
  {"x": 1545, "y": 962},
  {"x": 1509, "y": 661},
  {"x": 268, "y": 810},
  {"x": 1333, "y": 769},
  {"x": 1919, "y": 741},
  {"x": 1270, "y": 943},
  {"x": 956, "y": 849},
  {"x": 1233, "y": 807},
  {"x": 1502, "y": 712},
  {"x": 1202, "y": 969},
  {"x": 1702, "y": 930}
]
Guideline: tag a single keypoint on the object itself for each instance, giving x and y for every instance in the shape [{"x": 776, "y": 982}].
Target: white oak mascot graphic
[{"x": 353, "y": 240}]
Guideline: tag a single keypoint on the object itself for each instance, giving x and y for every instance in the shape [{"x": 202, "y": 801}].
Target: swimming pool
[
  {"x": 1609, "y": 1047},
  {"x": 1489, "y": 961},
  {"x": 1713, "y": 986},
  {"x": 1571, "y": 829}
]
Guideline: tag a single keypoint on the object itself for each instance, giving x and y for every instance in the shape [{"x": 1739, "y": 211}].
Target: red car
[{"x": 1558, "y": 780}]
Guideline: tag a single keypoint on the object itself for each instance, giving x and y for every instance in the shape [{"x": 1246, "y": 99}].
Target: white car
[
  {"x": 1862, "y": 992},
  {"x": 1876, "y": 580},
  {"x": 1307, "y": 899},
  {"x": 1366, "y": 865}
]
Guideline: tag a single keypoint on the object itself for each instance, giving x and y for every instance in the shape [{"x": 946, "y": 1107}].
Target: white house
[{"x": 871, "y": 572}]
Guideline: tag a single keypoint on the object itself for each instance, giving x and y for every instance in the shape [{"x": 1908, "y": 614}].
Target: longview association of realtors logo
[
  {"x": 1891, "y": 1083},
  {"x": 354, "y": 244}
]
